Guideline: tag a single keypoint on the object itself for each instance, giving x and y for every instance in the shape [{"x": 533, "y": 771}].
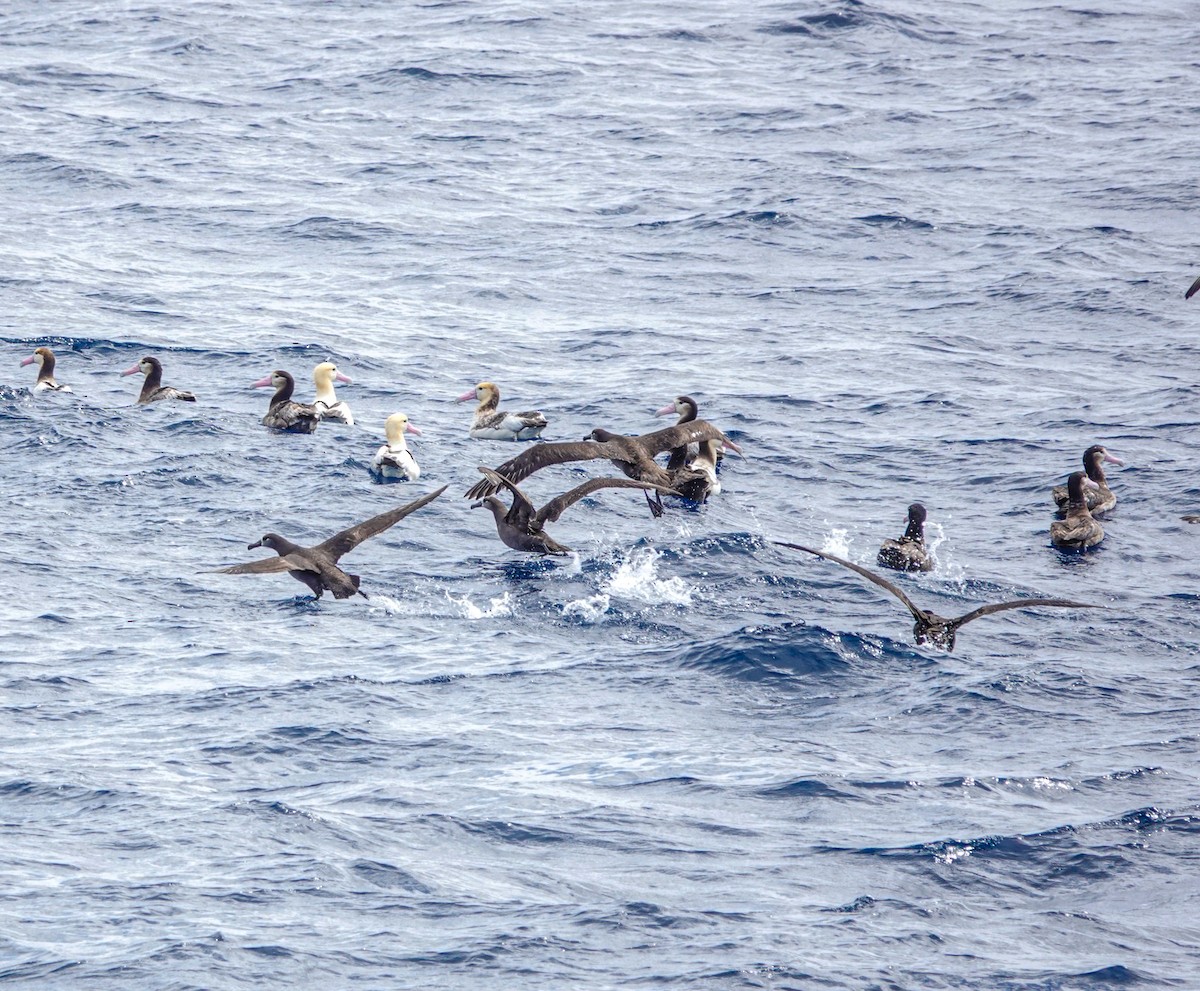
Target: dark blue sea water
[{"x": 898, "y": 251}]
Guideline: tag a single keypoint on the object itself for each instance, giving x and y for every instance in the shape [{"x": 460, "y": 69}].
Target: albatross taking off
[
  {"x": 938, "y": 630},
  {"x": 521, "y": 525},
  {"x": 317, "y": 567},
  {"x": 634, "y": 456}
]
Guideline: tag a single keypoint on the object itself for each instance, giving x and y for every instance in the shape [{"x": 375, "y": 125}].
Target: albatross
[
  {"x": 521, "y": 525},
  {"x": 632, "y": 455},
  {"x": 46, "y": 382},
  {"x": 1100, "y": 499},
  {"x": 1078, "y": 531},
  {"x": 317, "y": 567},
  {"x": 326, "y": 403},
  {"x": 284, "y": 414},
  {"x": 491, "y": 423},
  {"x": 928, "y": 625},
  {"x": 908, "y": 553},
  {"x": 153, "y": 390}
]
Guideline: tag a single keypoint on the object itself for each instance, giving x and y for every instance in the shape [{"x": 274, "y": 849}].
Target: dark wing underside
[
  {"x": 348, "y": 539},
  {"x": 1192, "y": 291},
  {"x": 1016, "y": 604},
  {"x": 542, "y": 456},
  {"x": 522, "y": 510},
  {"x": 866, "y": 573},
  {"x": 267, "y": 566},
  {"x": 557, "y": 506},
  {"x": 679, "y": 435}
]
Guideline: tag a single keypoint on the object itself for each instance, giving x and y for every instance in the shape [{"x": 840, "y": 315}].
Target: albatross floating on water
[
  {"x": 46, "y": 382},
  {"x": 938, "y": 630},
  {"x": 908, "y": 553},
  {"x": 284, "y": 414},
  {"x": 153, "y": 390},
  {"x": 317, "y": 567},
  {"x": 1100, "y": 499},
  {"x": 521, "y": 525},
  {"x": 326, "y": 403},
  {"x": 492, "y": 424},
  {"x": 1078, "y": 531},
  {"x": 394, "y": 460}
]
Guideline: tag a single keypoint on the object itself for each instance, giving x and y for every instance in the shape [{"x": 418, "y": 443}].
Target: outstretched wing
[
  {"x": 347, "y": 540},
  {"x": 679, "y": 435},
  {"x": 535, "y": 458},
  {"x": 954, "y": 624},
  {"x": 521, "y": 510},
  {"x": 866, "y": 573},
  {"x": 1192, "y": 291},
  {"x": 557, "y": 506},
  {"x": 267, "y": 566}
]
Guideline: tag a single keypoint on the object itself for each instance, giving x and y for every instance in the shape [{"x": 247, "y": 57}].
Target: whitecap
[
  {"x": 637, "y": 578},
  {"x": 589, "y": 610},
  {"x": 499, "y": 606},
  {"x": 837, "y": 542}
]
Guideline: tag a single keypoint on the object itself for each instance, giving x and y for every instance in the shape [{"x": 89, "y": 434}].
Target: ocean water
[{"x": 897, "y": 251}]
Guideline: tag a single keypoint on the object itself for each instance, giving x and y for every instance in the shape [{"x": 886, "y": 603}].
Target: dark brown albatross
[
  {"x": 521, "y": 525},
  {"x": 317, "y": 567},
  {"x": 938, "y": 630},
  {"x": 633, "y": 456}
]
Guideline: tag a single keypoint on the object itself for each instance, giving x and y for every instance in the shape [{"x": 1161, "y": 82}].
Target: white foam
[
  {"x": 499, "y": 606},
  {"x": 637, "y": 578},
  {"x": 837, "y": 542},
  {"x": 590, "y": 610}
]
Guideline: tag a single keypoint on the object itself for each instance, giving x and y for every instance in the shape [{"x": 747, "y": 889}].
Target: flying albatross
[
  {"x": 521, "y": 525},
  {"x": 317, "y": 567},
  {"x": 634, "y": 456},
  {"x": 928, "y": 625}
]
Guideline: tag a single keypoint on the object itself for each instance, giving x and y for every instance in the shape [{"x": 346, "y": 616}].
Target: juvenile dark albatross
[
  {"x": 1078, "y": 531},
  {"x": 909, "y": 552},
  {"x": 317, "y": 567},
  {"x": 285, "y": 414},
  {"x": 633, "y": 456},
  {"x": 521, "y": 525},
  {"x": 153, "y": 390},
  {"x": 1100, "y": 499},
  {"x": 938, "y": 630}
]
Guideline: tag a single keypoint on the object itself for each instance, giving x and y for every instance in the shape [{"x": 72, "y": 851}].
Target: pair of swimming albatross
[
  {"x": 317, "y": 567},
  {"x": 286, "y": 415}
]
